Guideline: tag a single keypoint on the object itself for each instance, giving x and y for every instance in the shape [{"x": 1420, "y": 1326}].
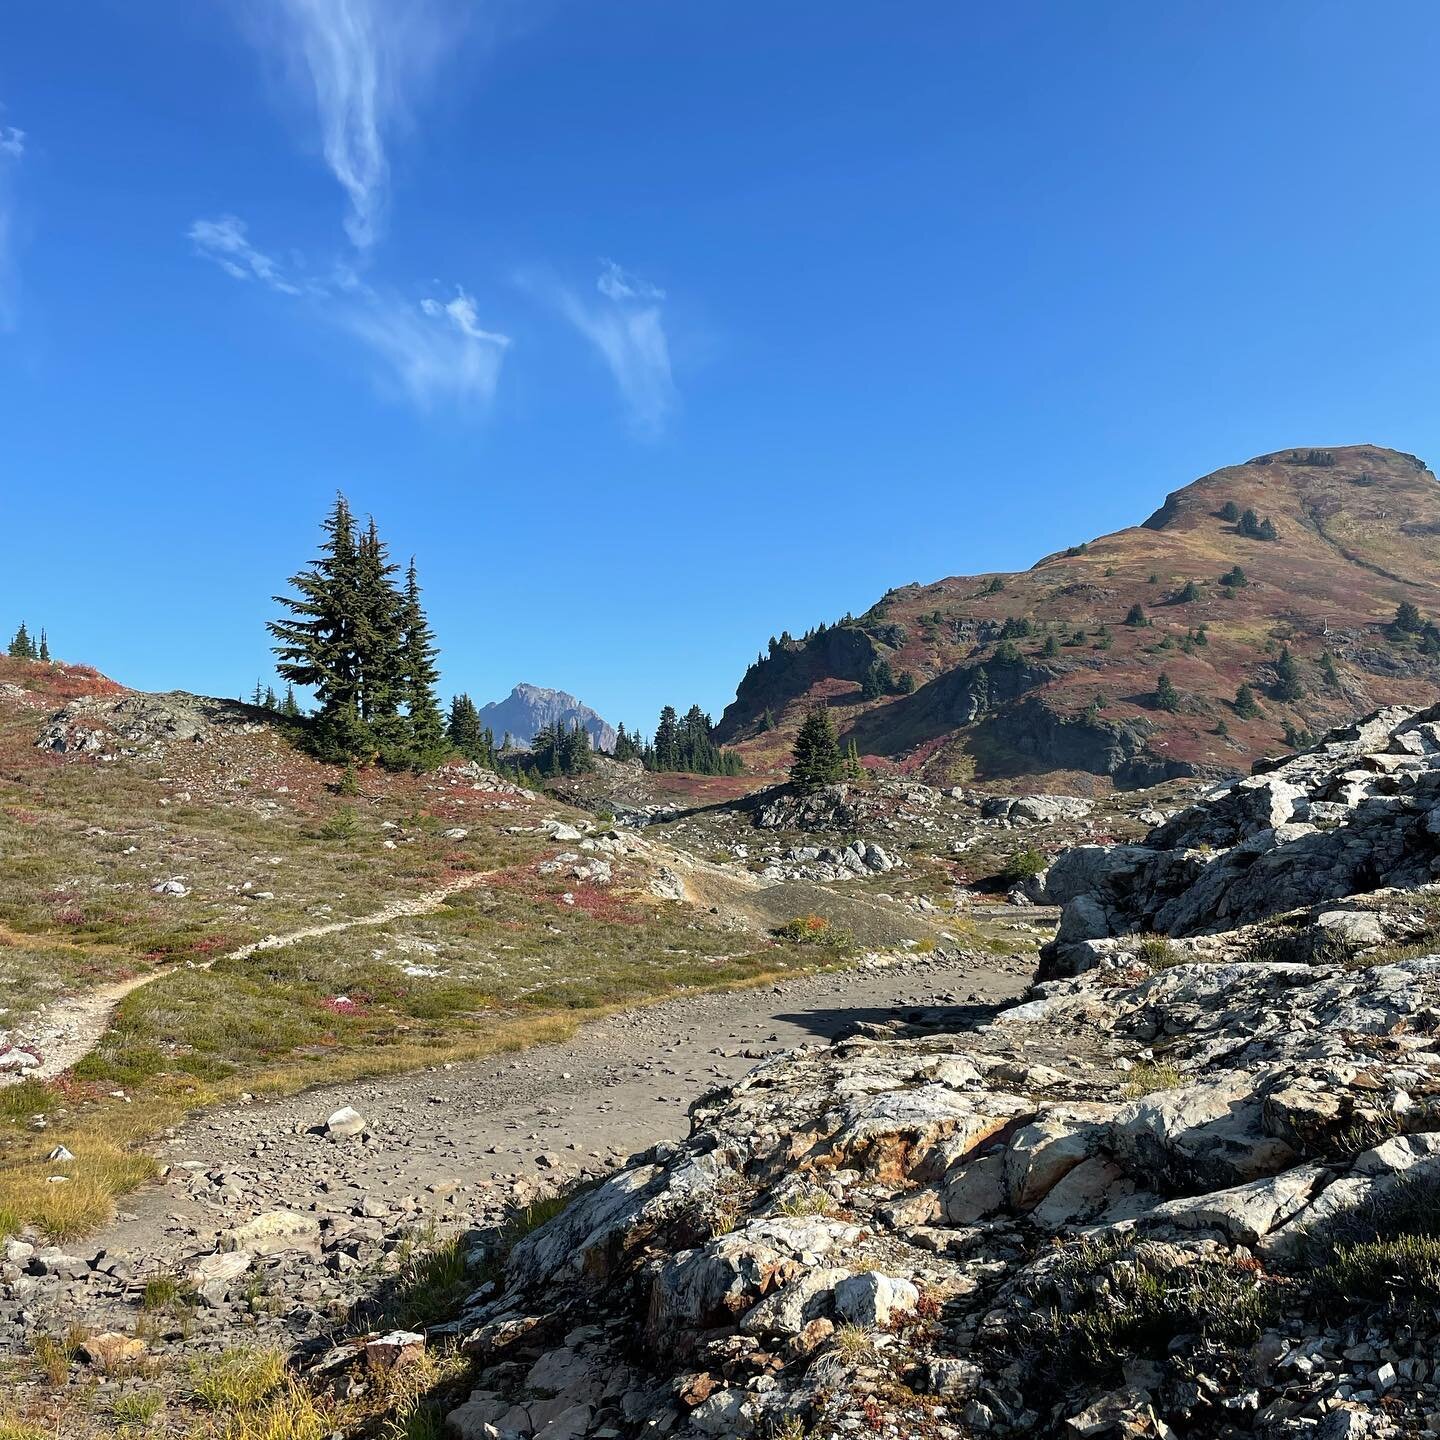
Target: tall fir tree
[
  {"x": 44, "y": 651},
  {"x": 667, "y": 740},
  {"x": 463, "y": 729},
  {"x": 21, "y": 647},
  {"x": 316, "y": 643},
  {"x": 627, "y": 746},
  {"x": 417, "y": 677},
  {"x": 816, "y": 760},
  {"x": 379, "y": 638},
  {"x": 364, "y": 647}
]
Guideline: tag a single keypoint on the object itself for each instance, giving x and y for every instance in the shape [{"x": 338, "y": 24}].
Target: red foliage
[
  {"x": 603, "y": 905},
  {"x": 57, "y": 682}
]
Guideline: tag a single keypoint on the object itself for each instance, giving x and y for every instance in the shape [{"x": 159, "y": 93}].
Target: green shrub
[
  {"x": 1149, "y": 1076},
  {"x": 1023, "y": 865},
  {"x": 1120, "y": 1303},
  {"x": 1156, "y": 950},
  {"x": 814, "y": 930},
  {"x": 341, "y": 826}
]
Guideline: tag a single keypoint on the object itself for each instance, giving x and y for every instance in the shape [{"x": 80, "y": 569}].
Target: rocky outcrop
[
  {"x": 129, "y": 723},
  {"x": 791, "y": 666},
  {"x": 1359, "y": 811},
  {"x": 1139, "y": 1203},
  {"x": 1193, "y": 1190}
]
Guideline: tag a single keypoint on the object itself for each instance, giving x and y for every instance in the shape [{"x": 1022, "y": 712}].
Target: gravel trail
[{"x": 460, "y": 1140}]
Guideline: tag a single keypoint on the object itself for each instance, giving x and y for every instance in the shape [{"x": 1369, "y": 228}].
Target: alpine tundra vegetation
[{"x": 664, "y": 774}]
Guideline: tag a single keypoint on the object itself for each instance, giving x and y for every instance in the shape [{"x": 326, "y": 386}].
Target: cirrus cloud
[
  {"x": 431, "y": 351},
  {"x": 626, "y": 328},
  {"x": 358, "y": 62}
]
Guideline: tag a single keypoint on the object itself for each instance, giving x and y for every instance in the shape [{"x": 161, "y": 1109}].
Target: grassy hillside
[
  {"x": 169, "y": 854},
  {"x": 1066, "y": 693}
]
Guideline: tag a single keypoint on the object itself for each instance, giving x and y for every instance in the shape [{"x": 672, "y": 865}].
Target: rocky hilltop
[
  {"x": 1055, "y": 671},
  {"x": 1191, "y": 1190},
  {"x": 528, "y": 708}
]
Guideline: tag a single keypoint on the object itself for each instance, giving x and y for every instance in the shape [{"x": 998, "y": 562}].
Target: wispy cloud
[
  {"x": 12, "y": 149},
  {"x": 357, "y": 61},
  {"x": 432, "y": 351},
  {"x": 626, "y": 326},
  {"x": 437, "y": 352},
  {"x": 224, "y": 240}
]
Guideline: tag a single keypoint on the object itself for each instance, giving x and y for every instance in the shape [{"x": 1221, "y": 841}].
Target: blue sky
[{"x": 655, "y": 328}]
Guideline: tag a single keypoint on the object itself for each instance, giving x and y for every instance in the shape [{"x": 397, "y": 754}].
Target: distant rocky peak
[{"x": 528, "y": 708}]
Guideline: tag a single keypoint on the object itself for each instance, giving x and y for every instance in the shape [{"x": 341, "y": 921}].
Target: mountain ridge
[{"x": 1036, "y": 672}]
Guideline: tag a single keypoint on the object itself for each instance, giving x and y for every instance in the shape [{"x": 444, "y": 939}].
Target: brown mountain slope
[{"x": 1068, "y": 690}]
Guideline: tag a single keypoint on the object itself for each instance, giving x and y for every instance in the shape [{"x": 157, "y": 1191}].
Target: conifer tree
[
  {"x": 1166, "y": 695},
  {"x": 667, "y": 740},
  {"x": 44, "y": 652},
  {"x": 289, "y": 706},
  {"x": 1328, "y": 670},
  {"x": 576, "y": 754},
  {"x": 627, "y": 746},
  {"x": 1136, "y": 615},
  {"x": 463, "y": 730},
  {"x": 416, "y": 675},
  {"x": 364, "y": 647},
  {"x": 816, "y": 760},
  {"x": 1287, "y": 677},
  {"x": 21, "y": 647},
  {"x": 380, "y": 639},
  {"x": 1245, "y": 704},
  {"x": 1407, "y": 619},
  {"x": 316, "y": 643},
  {"x": 980, "y": 689}
]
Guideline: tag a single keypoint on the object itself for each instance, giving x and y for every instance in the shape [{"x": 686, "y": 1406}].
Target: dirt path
[
  {"x": 70, "y": 1029},
  {"x": 457, "y": 1143}
]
